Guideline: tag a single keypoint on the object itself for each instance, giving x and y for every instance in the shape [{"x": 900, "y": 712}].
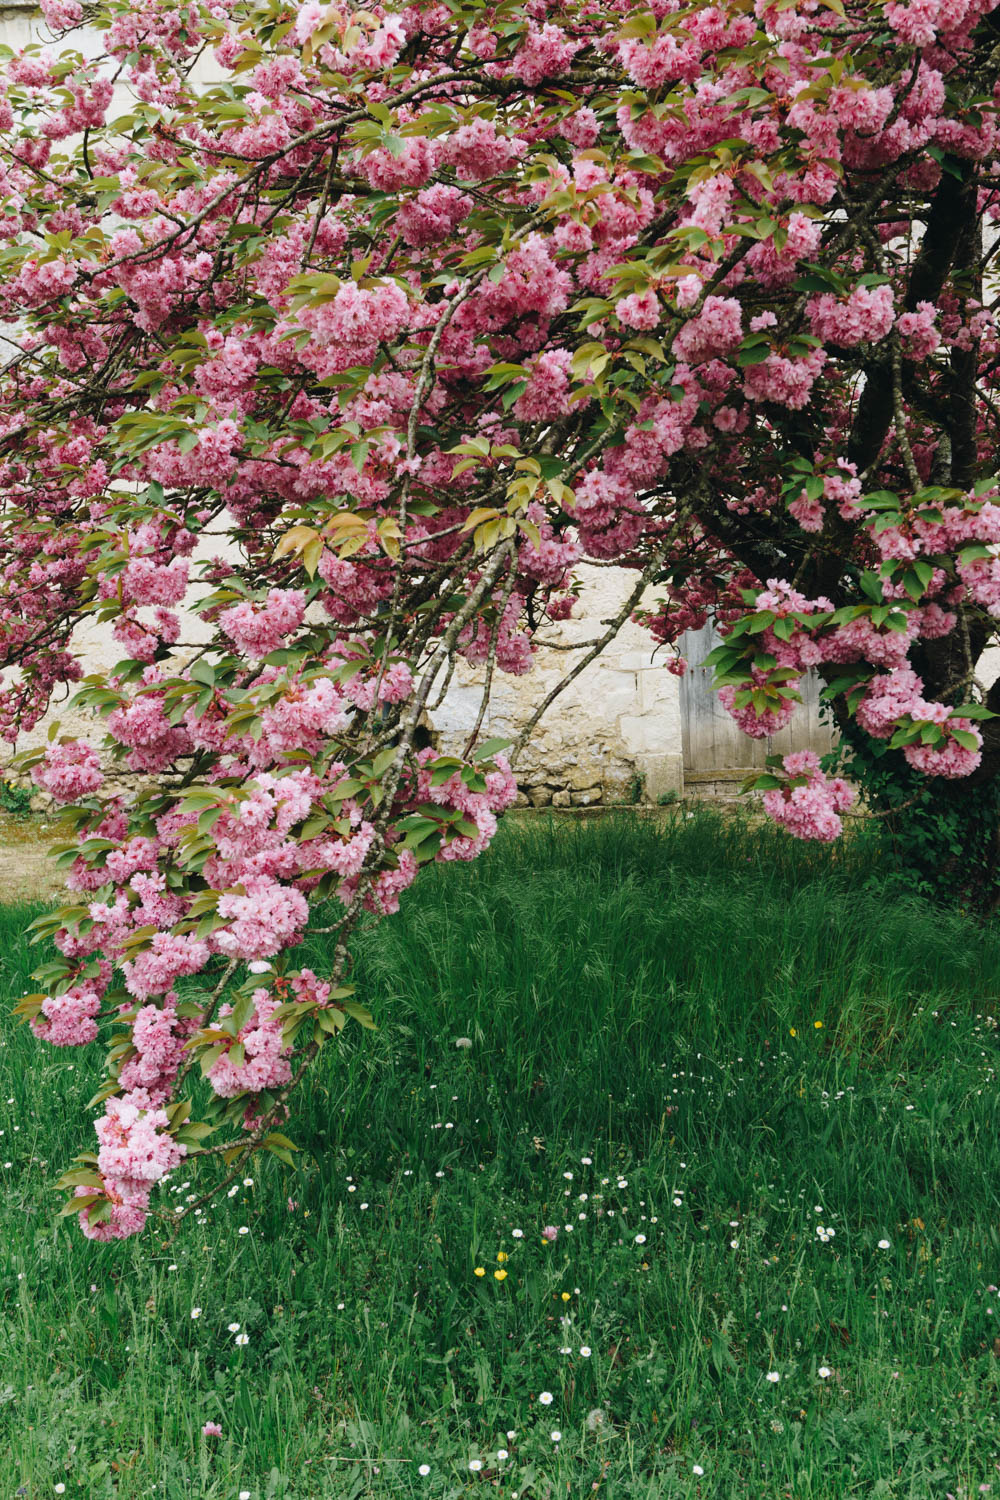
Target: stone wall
[{"x": 613, "y": 735}]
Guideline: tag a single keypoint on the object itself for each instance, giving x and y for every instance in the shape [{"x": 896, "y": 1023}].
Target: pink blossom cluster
[
  {"x": 894, "y": 700},
  {"x": 256, "y": 630},
  {"x": 69, "y": 771},
  {"x": 68, "y": 1020},
  {"x": 265, "y": 1064},
  {"x": 809, "y": 809},
  {"x": 135, "y": 1151},
  {"x": 865, "y": 316}
]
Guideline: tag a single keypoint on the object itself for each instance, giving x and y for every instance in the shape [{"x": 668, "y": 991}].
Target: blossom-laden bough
[{"x": 338, "y": 338}]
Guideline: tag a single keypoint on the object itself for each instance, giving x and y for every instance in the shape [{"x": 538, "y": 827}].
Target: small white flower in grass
[
  {"x": 475, "y": 1464},
  {"x": 233, "y": 1190},
  {"x": 585, "y": 1350},
  {"x": 885, "y": 1244},
  {"x": 773, "y": 1376},
  {"x": 565, "y": 1349},
  {"x": 234, "y": 1327},
  {"x": 244, "y": 1229},
  {"x": 171, "y": 1268},
  {"x": 463, "y": 1042},
  {"x": 545, "y": 1398},
  {"x": 697, "y": 1469},
  {"x": 244, "y": 1495},
  {"x": 640, "y": 1239},
  {"x": 424, "y": 1470},
  {"x": 502, "y": 1454},
  {"x": 60, "y": 1489},
  {"x": 243, "y": 1338},
  {"x": 248, "y": 1182},
  {"x": 678, "y": 1202},
  {"x": 556, "y": 1435},
  {"x": 734, "y": 1244},
  {"x": 511, "y": 1435},
  {"x": 196, "y": 1312},
  {"x": 587, "y": 1161},
  {"x": 517, "y": 1234},
  {"x": 824, "y": 1372}
]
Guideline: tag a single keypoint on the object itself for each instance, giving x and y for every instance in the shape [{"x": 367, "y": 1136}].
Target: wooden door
[{"x": 715, "y": 750}]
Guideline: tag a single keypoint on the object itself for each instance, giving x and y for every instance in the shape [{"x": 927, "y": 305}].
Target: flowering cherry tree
[{"x": 338, "y": 337}]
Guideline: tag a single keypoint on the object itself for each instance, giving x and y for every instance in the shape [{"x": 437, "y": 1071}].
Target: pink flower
[
  {"x": 265, "y": 1064},
  {"x": 639, "y": 309},
  {"x": 712, "y": 333},
  {"x": 256, "y": 630},
  {"x": 267, "y": 918},
  {"x": 865, "y": 317},
  {"x": 810, "y": 810},
  {"x": 211, "y": 1429},
  {"x": 69, "y": 771}
]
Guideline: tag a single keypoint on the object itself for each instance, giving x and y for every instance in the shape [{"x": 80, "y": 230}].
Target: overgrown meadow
[{"x": 671, "y": 1171}]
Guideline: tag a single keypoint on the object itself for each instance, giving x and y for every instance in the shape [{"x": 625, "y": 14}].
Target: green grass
[{"x": 630, "y": 994}]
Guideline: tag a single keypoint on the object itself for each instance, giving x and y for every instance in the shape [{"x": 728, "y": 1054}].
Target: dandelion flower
[
  {"x": 545, "y": 1398},
  {"x": 463, "y": 1042}
]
